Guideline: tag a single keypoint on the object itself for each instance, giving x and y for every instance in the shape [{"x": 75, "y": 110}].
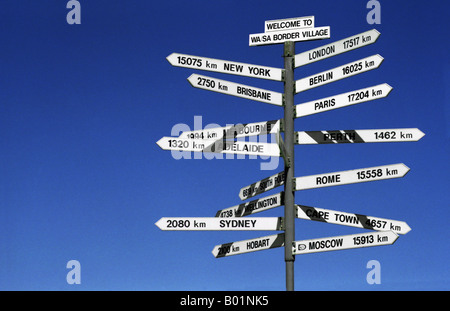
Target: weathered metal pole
[{"x": 289, "y": 210}]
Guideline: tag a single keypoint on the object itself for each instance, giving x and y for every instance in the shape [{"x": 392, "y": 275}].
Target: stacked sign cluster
[{"x": 223, "y": 140}]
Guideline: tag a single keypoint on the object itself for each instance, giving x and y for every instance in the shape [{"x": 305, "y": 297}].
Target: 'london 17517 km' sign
[{"x": 223, "y": 140}]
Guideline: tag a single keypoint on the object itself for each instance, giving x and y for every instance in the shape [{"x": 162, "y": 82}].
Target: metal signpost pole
[{"x": 288, "y": 125}]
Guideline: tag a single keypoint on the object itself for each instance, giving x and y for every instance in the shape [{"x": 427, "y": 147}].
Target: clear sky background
[{"x": 81, "y": 177}]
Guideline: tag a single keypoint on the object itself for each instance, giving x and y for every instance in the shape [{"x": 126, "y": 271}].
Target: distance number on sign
[
  {"x": 361, "y": 240},
  {"x": 370, "y": 173},
  {"x": 190, "y": 61}
]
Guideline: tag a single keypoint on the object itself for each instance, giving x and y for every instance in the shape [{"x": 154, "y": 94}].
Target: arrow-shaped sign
[
  {"x": 344, "y": 242},
  {"x": 359, "y": 136},
  {"x": 219, "y": 146},
  {"x": 338, "y": 73},
  {"x": 225, "y": 66},
  {"x": 217, "y": 224},
  {"x": 251, "y": 245},
  {"x": 351, "y": 176},
  {"x": 342, "y": 100},
  {"x": 235, "y": 89},
  {"x": 233, "y": 131},
  {"x": 336, "y": 48},
  {"x": 352, "y": 220},
  {"x": 252, "y": 207},
  {"x": 295, "y": 35},
  {"x": 262, "y": 186}
]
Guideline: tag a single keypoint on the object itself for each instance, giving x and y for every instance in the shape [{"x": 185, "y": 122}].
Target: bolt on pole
[{"x": 289, "y": 211}]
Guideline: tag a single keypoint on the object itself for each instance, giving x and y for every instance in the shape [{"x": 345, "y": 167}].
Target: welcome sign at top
[
  {"x": 292, "y": 29},
  {"x": 289, "y": 23}
]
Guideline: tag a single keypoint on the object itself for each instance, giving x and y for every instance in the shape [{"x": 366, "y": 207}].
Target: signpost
[
  {"x": 289, "y": 23},
  {"x": 246, "y": 246},
  {"x": 234, "y": 131},
  {"x": 292, "y": 35},
  {"x": 344, "y": 242},
  {"x": 236, "y": 89},
  {"x": 252, "y": 207},
  {"x": 342, "y": 100},
  {"x": 225, "y": 66},
  {"x": 351, "y": 176},
  {"x": 262, "y": 186},
  {"x": 221, "y": 140},
  {"x": 219, "y": 146},
  {"x": 352, "y": 220},
  {"x": 338, "y": 73},
  {"x": 335, "y": 48},
  {"x": 359, "y": 136},
  {"x": 217, "y": 224},
  {"x": 289, "y": 168}
]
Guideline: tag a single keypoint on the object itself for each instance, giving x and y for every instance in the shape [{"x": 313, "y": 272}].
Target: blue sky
[{"x": 81, "y": 176}]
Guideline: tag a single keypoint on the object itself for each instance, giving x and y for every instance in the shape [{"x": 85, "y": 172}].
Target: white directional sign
[
  {"x": 219, "y": 146},
  {"x": 262, "y": 186},
  {"x": 252, "y": 207},
  {"x": 351, "y": 176},
  {"x": 342, "y": 100},
  {"x": 235, "y": 89},
  {"x": 275, "y": 37},
  {"x": 359, "y": 136},
  {"x": 215, "y": 224},
  {"x": 336, "y": 48},
  {"x": 225, "y": 66},
  {"x": 352, "y": 220},
  {"x": 289, "y": 23},
  {"x": 344, "y": 242},
  {"x": 246, "y": 246},
  {"x": 338, "y": 73},
  {"x": 234, "y": 131}
]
